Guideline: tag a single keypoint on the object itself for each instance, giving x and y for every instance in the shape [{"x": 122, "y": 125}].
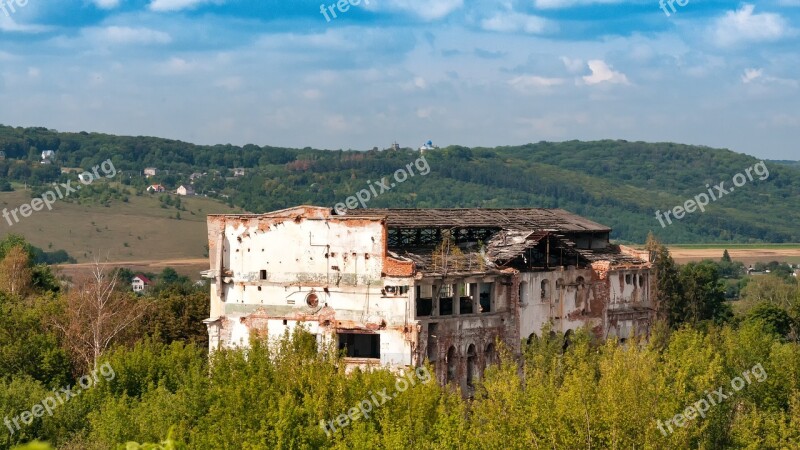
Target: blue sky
[{"x": 722, "y": 74}]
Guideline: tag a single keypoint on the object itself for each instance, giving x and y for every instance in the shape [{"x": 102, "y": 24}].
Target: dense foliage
[
  {"x": 617, "y": 183},
  {"x": 588, "y": 394}
]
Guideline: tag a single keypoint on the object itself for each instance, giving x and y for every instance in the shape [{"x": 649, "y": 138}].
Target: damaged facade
[{"x": 399, "y": 286}]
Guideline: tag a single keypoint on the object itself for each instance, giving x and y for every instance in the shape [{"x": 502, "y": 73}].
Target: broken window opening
[
  {"x": 465, "y": 299},
  {"x": 559, "y": 290},
  {"x": 262, "y": 275},
  {"x": 446, "y": 306},
  {"x": 395, "y": 291},
  {"x": 472, "y": 372},
  {"x": 486, "y": 297},
  {"x": 523, "y": 293},
  {"x": 545, "y": 290},
  {"x": 424, "y": 300},
  {"x": 360, "y": 345},
  {"x": 451, "y": 364},
  {"x": 490, "y": 354},
  {"x": 628, "y": 278},
  {"x": 433, "y": 354}
]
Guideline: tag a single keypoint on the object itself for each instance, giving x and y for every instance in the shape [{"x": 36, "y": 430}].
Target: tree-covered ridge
[{"x": 617, "y": 183}]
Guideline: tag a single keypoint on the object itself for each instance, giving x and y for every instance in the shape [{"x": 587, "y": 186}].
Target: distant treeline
[{"x": 617, "y": 183}]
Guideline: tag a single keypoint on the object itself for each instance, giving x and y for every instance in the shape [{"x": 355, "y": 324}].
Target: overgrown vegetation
[{"x": 274, "y": 395}]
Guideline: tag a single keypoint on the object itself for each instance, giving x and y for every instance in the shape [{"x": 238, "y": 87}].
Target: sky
[{"x": 457, "y": 72}]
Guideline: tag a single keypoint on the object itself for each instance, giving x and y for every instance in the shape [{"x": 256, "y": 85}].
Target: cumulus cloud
[
  {"x": 744, "y": 25},
  {"x": 513, "y": 22},
  {"x": 427, "y": 10},
  {"x": 127, "y": 35},
  {"x": 533, "y": 82},
  {"x": 106, "y": 4},
  {"x": 751, "y": 74},
  {"x": 602, "y": 73},
  {"x": 176, "y": 5},
  {"x": 557, "y": 4}
]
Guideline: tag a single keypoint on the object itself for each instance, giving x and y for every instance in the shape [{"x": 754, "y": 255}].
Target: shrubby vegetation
[
  {"x": 617, "y": 183},
  {"x": 594, "y": 394}
]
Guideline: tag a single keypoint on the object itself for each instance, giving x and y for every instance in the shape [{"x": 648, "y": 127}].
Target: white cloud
[
  {"x": 572, "y": 65},
  {"x": 106, "y": 4},
  {"x": 602, "y": 73},
  {"x": 751, "y": 74},
  {"x": 743, "y": 25},
  {"x": 10, "y": 25},
  {"x": 512, "y": 22},
  {"x": 557, "y": 4},
  {"x": 177, "y": 5},
  {"x": 533, "y": 82},
  {"x": 427, "y": 10},
  {"x": 177, "y": 66},
  {"x": 127, "y": 35}
]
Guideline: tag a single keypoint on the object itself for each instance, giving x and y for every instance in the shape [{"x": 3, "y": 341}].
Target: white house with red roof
[{"x": 140, "y": 283}]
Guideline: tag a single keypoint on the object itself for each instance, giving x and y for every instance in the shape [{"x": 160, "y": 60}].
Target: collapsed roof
[{"x": 488, "y": 240}]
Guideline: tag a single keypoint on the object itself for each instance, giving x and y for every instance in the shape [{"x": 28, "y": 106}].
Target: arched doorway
[
  {"x": 452, "y": 364},
  {"x": 472, "y": 365}
]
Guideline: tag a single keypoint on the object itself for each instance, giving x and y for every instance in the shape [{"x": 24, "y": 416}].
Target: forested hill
[{"x": 617, "y": 183}]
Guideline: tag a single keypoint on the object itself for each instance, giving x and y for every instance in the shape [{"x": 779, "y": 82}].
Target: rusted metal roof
[{"x": 509, "y": 219}]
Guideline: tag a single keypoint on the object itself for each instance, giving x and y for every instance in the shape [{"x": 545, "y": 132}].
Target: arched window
[
  {"x": 472, "y": 366},
  {"x": 452, "y": 365},
  {"x": 559, "y": 289},
  {"x": 580, "y": 282},
  {"x": 523, "y": 293},
  {"x": 545, "y": 290},
  {"x": 490, "y": 354}
]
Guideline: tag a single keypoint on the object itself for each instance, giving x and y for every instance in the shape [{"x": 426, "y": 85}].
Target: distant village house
[
  {"x": 48, "y": 156},
  {"x": 185, "y": 190},
  {"x": 140, "y": 283},
  {"x": 156, "y": 188},
  {"x": 150, "y": 172}
]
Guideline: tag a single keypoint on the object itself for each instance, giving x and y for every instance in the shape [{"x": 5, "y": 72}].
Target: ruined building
[{"x": 398, "y": 286}]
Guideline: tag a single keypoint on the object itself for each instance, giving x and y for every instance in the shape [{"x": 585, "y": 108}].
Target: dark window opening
[
  {"x": 424, "y": 300},
  {"x": 465, "y": 305},
  {"x": 262, "y": 275},
  {"x": 433, "y": 354},
  {"x": 395, "y": 291},
  {"x": 486, "y": 297},
  {"x": 446, "y": 306},
  {"x": 424, "y": 307},
  {"x": 451, "y": 364},
  {"x": 472, "y": 366},
  {"x": 358, "y": 345}
]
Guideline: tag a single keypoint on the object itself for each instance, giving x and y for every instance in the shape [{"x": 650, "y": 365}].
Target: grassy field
[
  {"x": 137, "y": 230},
  {"x": 736, "y": 246}
]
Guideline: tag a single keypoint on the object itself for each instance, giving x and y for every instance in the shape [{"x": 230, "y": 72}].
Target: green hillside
[
  {"x": 137, "y": 229},
  {"x": 617, "y": 183}
]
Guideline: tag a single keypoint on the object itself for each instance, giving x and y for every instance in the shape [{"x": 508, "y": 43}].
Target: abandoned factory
[{"x": 398, "y": 287}]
